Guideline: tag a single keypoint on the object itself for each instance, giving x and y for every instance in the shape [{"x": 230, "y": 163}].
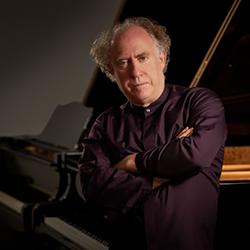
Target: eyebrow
[{"x": 121, "y": 59}]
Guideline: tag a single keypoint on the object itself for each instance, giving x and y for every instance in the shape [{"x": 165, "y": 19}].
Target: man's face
[{"x": 136, "y": 67}]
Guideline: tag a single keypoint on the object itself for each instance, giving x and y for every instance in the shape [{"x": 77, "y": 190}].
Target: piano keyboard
[{"x": 81, "y": 238}]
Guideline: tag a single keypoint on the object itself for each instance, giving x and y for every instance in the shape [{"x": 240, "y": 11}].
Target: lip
[{"x": 139, "y": 85}]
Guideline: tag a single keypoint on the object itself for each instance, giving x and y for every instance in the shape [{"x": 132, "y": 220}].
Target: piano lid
[
  {"x": 66, "y": 125},
  {"x": 227, "y": 74}
]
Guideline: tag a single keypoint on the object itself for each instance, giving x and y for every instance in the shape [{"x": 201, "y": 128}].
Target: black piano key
[{"x": 90, "y": 223}]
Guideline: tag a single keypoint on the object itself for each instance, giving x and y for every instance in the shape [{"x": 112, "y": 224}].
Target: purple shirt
[{"x": 181, "y": 214}]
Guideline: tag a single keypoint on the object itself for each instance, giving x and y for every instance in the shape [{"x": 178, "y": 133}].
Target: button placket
[{"x": 148, "y": 134}]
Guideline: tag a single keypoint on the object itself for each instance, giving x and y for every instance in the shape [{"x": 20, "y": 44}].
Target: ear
[
  {"x": 111, "y": 69},
  {"x": 162, "y": 57}
]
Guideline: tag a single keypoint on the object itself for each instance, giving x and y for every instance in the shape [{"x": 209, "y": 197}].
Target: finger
[
  {"x": 182, "y": 133},
  {"x": 190, "y": 132},
  {"x": 185, "y": 133}
]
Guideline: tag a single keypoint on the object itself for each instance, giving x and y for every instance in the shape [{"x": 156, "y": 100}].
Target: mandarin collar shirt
[{"x": 181, "y": 214}]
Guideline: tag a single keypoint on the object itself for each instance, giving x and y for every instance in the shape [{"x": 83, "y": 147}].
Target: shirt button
[{"x": 147, "y": 110}]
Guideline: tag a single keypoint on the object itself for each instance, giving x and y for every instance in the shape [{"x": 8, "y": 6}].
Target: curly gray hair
[{"x": 101, "y": 46}]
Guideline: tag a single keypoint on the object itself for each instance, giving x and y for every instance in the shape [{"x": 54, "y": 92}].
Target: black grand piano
[{"x": 39, "y": 183}]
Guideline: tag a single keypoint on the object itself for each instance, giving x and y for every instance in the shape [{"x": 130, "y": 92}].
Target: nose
[{"x": 135, "y": 70}]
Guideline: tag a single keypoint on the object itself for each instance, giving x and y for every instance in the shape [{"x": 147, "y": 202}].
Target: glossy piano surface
[
  {"x": 227, "y": 73},
  {"x": 71, "y": 221},
  {"x": 39, "y": 183},
  {"x": 32, "y": 167}
]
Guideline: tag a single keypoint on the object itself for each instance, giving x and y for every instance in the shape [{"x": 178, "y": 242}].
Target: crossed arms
[
  {"x": 128, "y": 163},
  {"x": 124, "y": 184}
]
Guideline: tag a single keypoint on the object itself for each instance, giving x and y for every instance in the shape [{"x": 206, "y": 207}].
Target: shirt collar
[{"x": 146, "y": 111}]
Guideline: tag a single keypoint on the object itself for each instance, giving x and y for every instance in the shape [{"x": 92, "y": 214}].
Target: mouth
[{"x": 139, "y": 85}]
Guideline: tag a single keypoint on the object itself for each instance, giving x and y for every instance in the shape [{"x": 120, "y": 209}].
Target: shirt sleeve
[
  {"x": 189, "y": 155},
  {"x": 107, "y": 187}
]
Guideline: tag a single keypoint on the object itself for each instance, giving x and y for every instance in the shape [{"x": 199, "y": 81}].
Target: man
[{"x": 154, "y": 162}]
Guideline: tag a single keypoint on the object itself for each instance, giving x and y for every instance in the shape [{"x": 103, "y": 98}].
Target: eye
[
  {"x": 143, "y": 58},
  {"x": 123, "y": 63}
]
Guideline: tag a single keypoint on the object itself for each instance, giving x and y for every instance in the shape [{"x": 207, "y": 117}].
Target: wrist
[{"x": 131, "y": 163}]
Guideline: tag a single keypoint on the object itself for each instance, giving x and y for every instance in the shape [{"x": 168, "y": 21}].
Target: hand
[
  {"x": 128, "y": 164},
  {"x": 186, "y": 132},
  {"x": 158, "y": 182}
]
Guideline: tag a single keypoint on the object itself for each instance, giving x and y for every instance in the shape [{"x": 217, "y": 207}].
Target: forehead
[{"x": 131, "y": 40}]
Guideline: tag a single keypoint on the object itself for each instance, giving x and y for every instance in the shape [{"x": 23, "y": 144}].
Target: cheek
[
  {"x": 120, "y": 76},
  {"x": 122, "y": 80},
  {"x": 121, "y": 85}
]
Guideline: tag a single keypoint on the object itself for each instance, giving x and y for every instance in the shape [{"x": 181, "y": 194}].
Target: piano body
[
  {"x": 39, "y": 177},
  {"x": 211, "y": 48}
]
